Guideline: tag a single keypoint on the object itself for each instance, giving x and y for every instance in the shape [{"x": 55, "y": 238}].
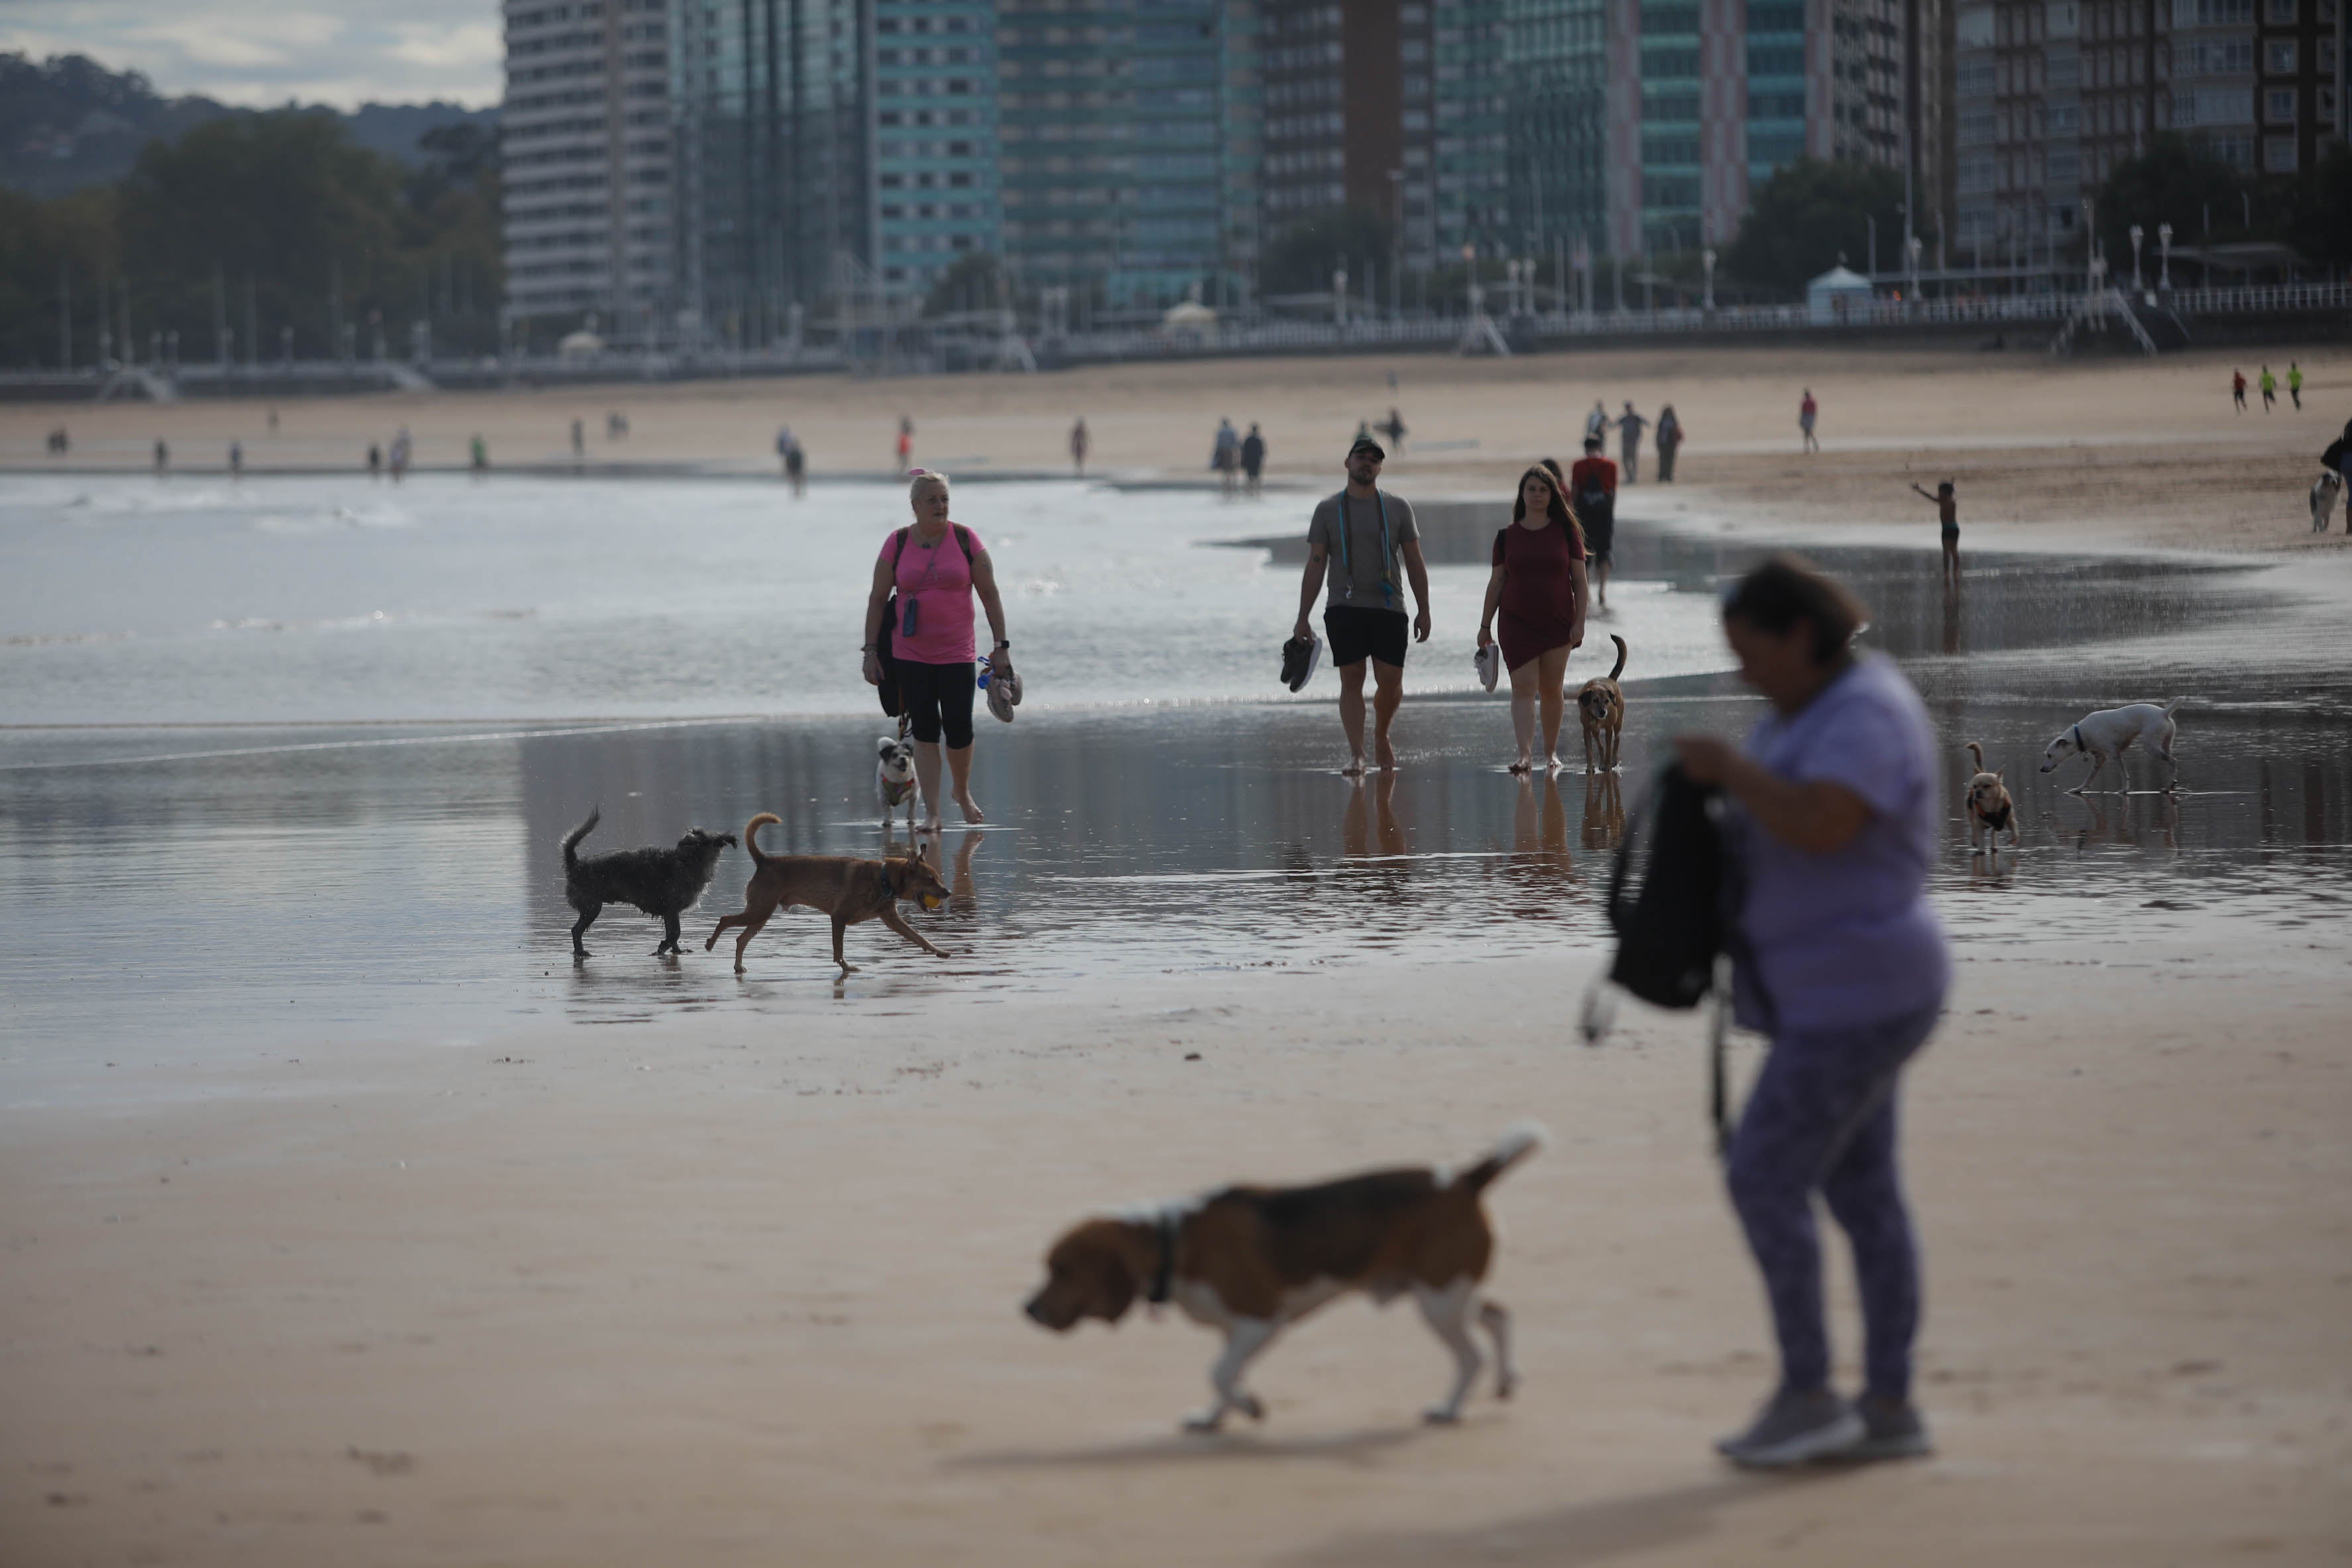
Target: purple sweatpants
[{"x": 1822, "y": 1116}]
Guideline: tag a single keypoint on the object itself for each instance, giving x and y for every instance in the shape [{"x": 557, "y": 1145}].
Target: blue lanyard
[{"x": 1347, "y": 557}]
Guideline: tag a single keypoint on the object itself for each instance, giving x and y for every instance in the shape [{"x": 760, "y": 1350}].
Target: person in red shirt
[
  {"x": 1592, "y": 496},
  {"x": 2238, "y": 389}
]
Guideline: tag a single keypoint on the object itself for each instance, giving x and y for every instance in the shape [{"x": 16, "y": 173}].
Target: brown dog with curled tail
[{"x": 848, "y": 888}]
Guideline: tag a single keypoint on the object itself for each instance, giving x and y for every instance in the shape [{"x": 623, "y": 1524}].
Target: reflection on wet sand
[{"x": 1604, "y": 810}]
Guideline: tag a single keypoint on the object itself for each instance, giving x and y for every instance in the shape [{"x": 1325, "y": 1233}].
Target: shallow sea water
[{"x": 210, "y": 878}]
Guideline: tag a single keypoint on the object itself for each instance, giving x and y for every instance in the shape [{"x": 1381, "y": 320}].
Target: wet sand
[
  {"x": 2114, "y": 449},
  {"x": 722, "y": 1291}
]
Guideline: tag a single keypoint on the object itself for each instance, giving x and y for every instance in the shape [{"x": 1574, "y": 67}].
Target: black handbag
[{"x": 1672, "y": 900}]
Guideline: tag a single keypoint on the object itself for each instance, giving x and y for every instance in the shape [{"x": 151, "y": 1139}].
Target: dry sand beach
[
  {"x": 720, "y": 1284},
  {"x": 2112, "y": 448}
]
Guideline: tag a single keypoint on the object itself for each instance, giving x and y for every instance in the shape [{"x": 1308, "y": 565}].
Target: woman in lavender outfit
[{"x": 1835, "y": 826}]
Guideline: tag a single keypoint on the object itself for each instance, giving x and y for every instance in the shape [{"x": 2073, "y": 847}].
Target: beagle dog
[
  {"x": 1249, "y": 1262},
  {"x": 1990, "y": 809},
  {"x": 1601, "y": 711}
]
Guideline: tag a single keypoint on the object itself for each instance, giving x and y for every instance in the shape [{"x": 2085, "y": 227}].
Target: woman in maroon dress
[{"x": 1538, "y": 586}]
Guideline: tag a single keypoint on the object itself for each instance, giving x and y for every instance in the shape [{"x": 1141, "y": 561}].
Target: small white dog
[
  {"x": 2324, "y": 491},
  {"x": 893, "y": 778},
  {"x": 2106, "y": 733}
]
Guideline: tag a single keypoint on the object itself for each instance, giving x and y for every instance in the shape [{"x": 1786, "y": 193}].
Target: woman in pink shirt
[{"x": 934, "y": 566}]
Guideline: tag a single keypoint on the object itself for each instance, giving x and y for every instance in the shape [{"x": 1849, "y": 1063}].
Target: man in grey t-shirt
[{"x": 1354, "y": 547}]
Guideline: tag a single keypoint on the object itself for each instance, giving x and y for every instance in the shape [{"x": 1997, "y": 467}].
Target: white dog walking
[
  {"x": 2324, "y": 492},
  {"x": 2106, "y": 733}
]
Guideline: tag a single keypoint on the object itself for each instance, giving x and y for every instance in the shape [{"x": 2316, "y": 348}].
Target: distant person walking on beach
[
  {"x": 162, "y": 458},
  {"x": 796, "y": 469},
  {"x": 1079, "y": 442},
  {"x": 1225, "y": 457},
  {"x": 1596, "y": 424},
  {"x": 401, "y": 449},
  {"x": 1538, "y": 588},
  {"x": 1630, "y": 426},
  {"x": 1353, "y": 547},
  {"x": 784, "y": 449},
  {"x": 1253, "y": 460},
  {"x": 479, "y": 454},
  {"x": 1835, "y": 827},
  {"x": 579, "y": 440},
  {"x": 1670, "y": 441},
  {"x": 1592, "y": 496},
  {"x": 2269, "y": 383},
  {"x": 905, "y": 443},
  {"x": 935, "y": 566},
  {"x": 2238, "y": 389},
  {"x": 237, "y": 459},
  {"x": 2294, "y": 385},
  {"x": 375, "y": 461},
  {"x": 1807, "y": 412},
  {"x": 1393, "y": 428},
  {"x": 1947, "y": 513}
]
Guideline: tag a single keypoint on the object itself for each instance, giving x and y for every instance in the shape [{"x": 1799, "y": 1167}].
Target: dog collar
[
  {"x": 1164, "y": 1278},
  {"x": 2078, "y": 738}
]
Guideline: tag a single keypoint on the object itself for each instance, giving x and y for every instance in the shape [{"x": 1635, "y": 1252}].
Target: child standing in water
[{"x": 1948, "y": 512}]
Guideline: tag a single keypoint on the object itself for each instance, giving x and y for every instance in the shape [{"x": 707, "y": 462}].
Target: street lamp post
[
  {"x": 1912, "y": 245},
  {"x": 1706, "y": 264},
  {"x": 2137, "y": 234},
  {"x": 2164, "y": 249}
]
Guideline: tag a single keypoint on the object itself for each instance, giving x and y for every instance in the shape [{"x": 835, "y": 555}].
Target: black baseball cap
[{"x": 1366, "y": 443}]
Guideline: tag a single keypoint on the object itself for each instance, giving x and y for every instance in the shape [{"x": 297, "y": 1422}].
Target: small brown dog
[
  {"x": 1251, "y": 1260},
  {"x": 849, "y": 889},
  {"x": 1990, "y": 811},
  {"x": 1600, "y": 709}
]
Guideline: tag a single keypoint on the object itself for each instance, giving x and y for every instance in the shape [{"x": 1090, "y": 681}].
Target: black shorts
[
  {"x": 1600, "y": 536},
  {"x": 1357, "y": 633},
  {"x": 936, "y": 698}
]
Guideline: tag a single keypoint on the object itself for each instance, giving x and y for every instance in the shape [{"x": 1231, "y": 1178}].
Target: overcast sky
[{"x": 342, "y": 52}]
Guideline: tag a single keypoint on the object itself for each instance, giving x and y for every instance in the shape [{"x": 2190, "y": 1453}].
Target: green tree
[
  {"x": 976, "y": 282},
  {"x": 2173, "y": 182},
  {"x": 1302, "y": 257},
  {"x": 1809, "y": 215}
]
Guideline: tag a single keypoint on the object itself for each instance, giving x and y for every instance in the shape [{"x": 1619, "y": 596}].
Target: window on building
[
  {"x": 2279, "y": 56},
  {"x": 2279, "y": 12},
  {"x": 2278, "y": 105},
  {"x": 2278, "y": 154},
  {"x": 2325, "y": 60}
]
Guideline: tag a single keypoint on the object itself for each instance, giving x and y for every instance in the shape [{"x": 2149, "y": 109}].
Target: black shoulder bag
[{"x": 1673, "y": 902}]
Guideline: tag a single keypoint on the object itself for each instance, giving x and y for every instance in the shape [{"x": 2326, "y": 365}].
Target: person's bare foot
[
  {"x": 971, "y": 809},
  {"x": 1386, "y": 753},
  {"x": 1522, "y": 765},
  {"x": 1552, "y": 764},
  {"x": 1355, "y": 769}
]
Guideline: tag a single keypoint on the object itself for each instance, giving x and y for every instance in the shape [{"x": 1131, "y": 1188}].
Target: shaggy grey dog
[{"x": 665, "y": 883}]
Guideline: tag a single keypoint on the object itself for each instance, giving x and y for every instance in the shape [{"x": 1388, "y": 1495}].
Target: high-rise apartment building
[
  {"x": 2299, "y": 47},
  {"x": 1706, "y": 98},
  {"x": 1349, "y": 116},
  {"x": 772, "y": 102},
  {"x": 1470, "y": 132},
  {"x": 1555, "y": 83},
  {"x": 935, "y": 138},
  {"x": 1129, "y": 131},
  {"x": 586, "y": 132}
]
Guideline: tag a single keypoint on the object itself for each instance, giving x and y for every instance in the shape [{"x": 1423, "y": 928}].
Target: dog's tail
[
  {"x": 572, "y": 840},
  {"x": 1619, "y": 668},
  {"x": 1977, "y": 752},
  {"x": 1522, "y": 1139},
  {"x": 752, "y": 834},
  {"x": 2173, "y": 703}
]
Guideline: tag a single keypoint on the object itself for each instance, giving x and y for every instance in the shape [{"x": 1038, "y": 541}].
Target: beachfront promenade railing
[{"x": 1992, "y": 313}]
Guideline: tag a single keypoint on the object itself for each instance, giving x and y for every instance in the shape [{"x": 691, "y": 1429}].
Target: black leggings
[{"x": 937, "y": 697}]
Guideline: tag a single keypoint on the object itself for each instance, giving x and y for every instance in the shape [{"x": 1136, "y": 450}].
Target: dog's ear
[
  {"x": 883, "y": 745},
  {"x": 2001, "y": 772}
]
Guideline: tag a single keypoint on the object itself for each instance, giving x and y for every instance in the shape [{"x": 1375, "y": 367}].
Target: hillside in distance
[{"x": 68, "y": 122}]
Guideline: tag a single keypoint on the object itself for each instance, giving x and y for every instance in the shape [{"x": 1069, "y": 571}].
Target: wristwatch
[{"x": 1006, "y": 642}]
